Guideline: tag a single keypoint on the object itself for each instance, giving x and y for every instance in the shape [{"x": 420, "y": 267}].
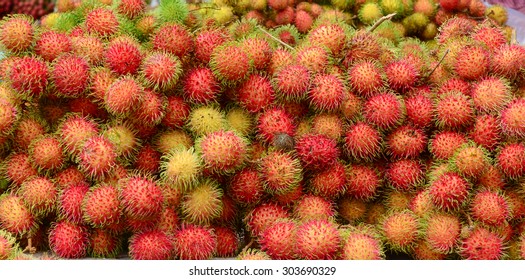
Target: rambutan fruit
[
  {"x": 123, "y": 96},
  {"x": 69, "y": 240},
  {"x": 285, "y": 16},
  {"x": 16, "y": 33},
  {"x": 512, "y": 124},
  {"x": 230, "y": 63},
  {"x": 161, "y": 71},
  {"x": 472, "y": 62},
  {"x": 97, "y": 156},
  {"x": 406, "y": 142},
  {"x": 91, "y": 48},
  {"x": 400, "y": 230},
  {"x": 511, "y": 160},
  {"x": 404, "y": 174},
  {"x": 492, "y": 37},
  {"x": 167, "y": 140},
  {"x": 15, "y": 216},
  {"x": 490, "y": 208},
  {"x": 470, "y": 160},
  {"x": 362, "y": 142},
  {"x": 288, "y": 198},
  {"x": 279, "y": 240},
  {"x": 362, "y": 243},
  {"x": 124, "y": 56},
  {"x": 28, "y": 75},
  {"x": 46, "y": 153},
  {"x": 482, "y": 244},
  {"x": 151, "y": 245},
  {"x": 421, "y": 203},
  {"x": 263, "y": 216},
  {"x": 329, "y": 182},
  {"x": 449, "y": 191},
  {"x": 51, "y": 44},
  {"x": 200, "y": 86},
  {"x": 384, "y": 110},
  {"x": 442, "y": 232},
  {"x": 131, "y": 8},
  {"x": 329, "y": 125},
  {"x": 453, "y": 110},
  {"x": 330, "y": 35},
  {"x": 141, "y": 197},
  {"x": 363, "y": 181},
  {"x": 314, "y": 58},
  {"x": 69, "y": 202},
  {"x": 193, "y": 242},
  {"x": 490, "y": 94},
  {"x": 152, "y": 109},
  {"x": 280, "y": 171},
  {"x": 176, "y": 112},
  {"x": 102, "y": 21},
  {"x": 366, "y": 78},
  {"x": 202, "y": 204},
  {"x": 169, "y": 219},
  {"x": 240, "y": 121},
  {"x": 423, "y": 251},
  {"x": 401, "y": 75},
  {"x": 206, "y": 119},
  {"x": 317, "y": 151},
  {"x": 491, "y": 179},
  {"x": 181, "y": 167},
  {"x": 444, "y": 144},
  {"x": 8, "y": 246},
  {"x": 222, "y": 151},
  {"x": 206, "y": 41},
  {"x": 104, "y": 244},
  {"x": 74, "y": 130},
  {"x": 327, "y": 93},
  {"x": 101, "y": 206},
  {"x": 486, "y": 131},
  {"x": 318, "y": 240},
  {"x": 507, "y": 60},
  {"x": 256, "y": 93},
  {"x": 9, "y": 115},
  {"x": 395, "y": 200},
  {"x": 17, "y": 168},
  {"x": 123, "y": 137},
  {"x": 258, "y": 50},
  {"x": 351, "y": 107},
  {"x": 246, "y": 187},
  {"x": 273, "y": 121},
  {"x": 454, "y": 84},
  {"x": 292, "y": 82},
  {"x": 39, "y": 194},
  {"x": 253, "y": 254},
  {"x": 228, "y": 242},
  {"x": 369, "y": 12},
  {"x": 311, "y": 207}
]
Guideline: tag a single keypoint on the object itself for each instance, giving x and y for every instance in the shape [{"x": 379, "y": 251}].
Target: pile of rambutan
[{"x": 169, "y": 133}]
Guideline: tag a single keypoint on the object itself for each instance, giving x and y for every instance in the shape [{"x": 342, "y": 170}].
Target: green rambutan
[
  {"x": 370, "y": 12},
  {"x": 181, "y": 167},
  {"x": 206, "y": 119},
  {"x": 202, "y": 204},
  {"x": 169, "y": 139}
]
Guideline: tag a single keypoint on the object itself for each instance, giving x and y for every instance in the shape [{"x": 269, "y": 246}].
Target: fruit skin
[
  {"x": 39, "y": 194},
  {"x": 69, "y": 202},
  {"x": 363, "y": 142},
  {"x": 8, "y": 246},
  {"x": 104, "y": 244},
  {"x": 278, "y": 240},
  {"x": 511, "y": 160},
  {"x": 203, "y": 204},
  {"x": 280, "y": 172},
  {"x": 222, "y": 151},
  {"x": 230, "y": 63},
  {"x": 69, "y": 240},
  {"x": 29, "y": 75},
  {"x": 101, "y": 206},
  {"x": 16, "y": 33},
  {"x": 449, "y": 191},
  {"x": 400, "y": 230},
  {"x": 151, "y": 245},
  {"x": 317, "y": 151},
  {"x": 362, "y": 243},
  {"x": 482, "y": 244},
  {"x": 318, "y": 240},
  {"x": 102, "y": 22},
  {"x": 141, "y": 197},
  {"x": 97, "y": 157},
  {"x": 442, "y": 232},
  {"x": 490, "y": 208},
  {"x": 15, "y": 217},
  {"x": 194, "y": 242}
]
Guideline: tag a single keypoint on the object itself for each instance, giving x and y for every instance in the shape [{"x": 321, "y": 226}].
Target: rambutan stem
[
  {"x": 381, "y": 20},
  {"x": 276, "y": 39},
  {"x": 439, "y": 63},
  {"x": 247, "y": 246}
]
